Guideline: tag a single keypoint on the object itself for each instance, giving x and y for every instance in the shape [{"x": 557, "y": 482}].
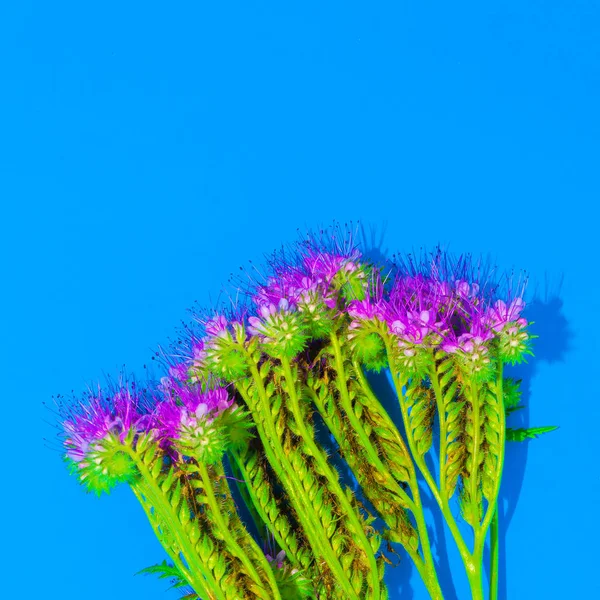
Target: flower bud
[{"x": 279, "y": 329}]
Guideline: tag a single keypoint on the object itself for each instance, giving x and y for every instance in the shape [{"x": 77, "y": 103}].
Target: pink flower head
[
  {"x": 324, "y": 266},
  {"x": 501, "y": 314},
  {"x": 365, "y": 310},
  {"x": 216, "y": 327},
  {"x": 184, "y": 403},
  {"x": 96, "y": 415}
]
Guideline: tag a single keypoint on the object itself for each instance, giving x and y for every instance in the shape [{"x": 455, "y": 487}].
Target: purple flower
[
  {"x": 179, "y": 371},
  {"x": 216, "y": 327},
  {"x": 323, "y": 266},
  {"x": 96, "y": 415},
  {"x": 501, "y": 314},
  {"x": 181, "y": 403},
  {"x": 364, "y": 310},
  {"x": 416, "y": 308},
  {"x": 279, "y": 328},
  {"x": 185, "y": 422}
]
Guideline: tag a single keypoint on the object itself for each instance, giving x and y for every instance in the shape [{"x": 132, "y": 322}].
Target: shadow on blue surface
[{"x": 552, "y": 346}]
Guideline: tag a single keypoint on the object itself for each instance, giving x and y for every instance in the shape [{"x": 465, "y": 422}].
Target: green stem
[
  {"x": 494, "y": 552},
  {"x": 359, "y": 429},
  {"x": 474, "y": 470},
  {"x": 473, "y": 562},
  {"x": 326, "y": 469},
  {"x": 198, "y": 585},
  {"x": 224, "y": 529},
  {"x": 199, "y": 573},
  {"x": 420, "y": 462},
  {"x": 244, "y": 488},
  {"x": 426, "y": 567},
  {"x": 287, "y": 476},
  {"x": 475, "y": 581},
  {"x": 261, "y": 516}
]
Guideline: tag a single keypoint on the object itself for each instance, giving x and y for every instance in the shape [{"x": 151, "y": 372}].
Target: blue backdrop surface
[{"x": 149, "y": 149}]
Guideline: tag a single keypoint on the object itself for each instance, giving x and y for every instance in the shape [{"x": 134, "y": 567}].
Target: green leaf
[
  {"x": 511, "y": 389},
  {"x": 520, "y": 435},
  {"x": 166, "y": 570}
]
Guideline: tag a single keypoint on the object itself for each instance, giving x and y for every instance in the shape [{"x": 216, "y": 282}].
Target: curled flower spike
[
  {"x": 279, "y": 329},
  {"x": 186, "y": 420},
  {"x": 218, "y": 351},
  {"x": 96, "y": 427},
  {"x": 314, "y": 300}
]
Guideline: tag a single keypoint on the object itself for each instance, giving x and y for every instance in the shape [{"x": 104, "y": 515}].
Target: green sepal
[
  {"x": 369, "y": 350},
  {"x": 511, "y": 394},
  {"x": 105, "y": 466},
  {"x": 293, "y": 584},
  {"x": 237, "y": 426}
]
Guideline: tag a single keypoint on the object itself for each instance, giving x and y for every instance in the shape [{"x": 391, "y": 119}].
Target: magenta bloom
[
  {"x": 439, "y": 302},
  {"x": 501, "y": 314},
  {"x": 97, "y": 415},
  {"x": 279, "y": 329},
  {"x": 365, "y": 310},
  {"x": 324, "y": 266},
  {"x": 182, "y": 403},
  {"x": 417, "y": 307}
]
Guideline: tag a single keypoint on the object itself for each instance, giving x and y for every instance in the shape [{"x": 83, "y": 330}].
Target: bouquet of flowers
[{"x": 249, "y": 392}]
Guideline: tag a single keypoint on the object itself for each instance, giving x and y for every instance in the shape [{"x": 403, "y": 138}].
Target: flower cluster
[
  {"x": 440, "y": 324},
  {"x": 441, "y": 309},
  {"x": 101, "y": 430},
  {"x": 433, "y": 305},
  {"x": 218, "y": 351},
  {"x": 185, "y": 418},
  {"x": 300, "y": 300},
  {"x": 98, "y": 429},
  {"x": 279, "y": 329}
]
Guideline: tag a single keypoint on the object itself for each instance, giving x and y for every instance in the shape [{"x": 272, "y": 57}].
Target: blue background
[{"x": 148, "y": 149}]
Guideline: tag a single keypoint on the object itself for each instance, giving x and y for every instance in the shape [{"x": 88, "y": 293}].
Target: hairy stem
[
  {"x": 198, "y": 574},
  {"x": 217, "y": 518},
  {"x": 287, "y": 475},
  {"x": 426, "y": 567},
  {"x": 494, "y": 552},
  {"x": 420, "y": 462},
  {"x": 333, "y": 481}
]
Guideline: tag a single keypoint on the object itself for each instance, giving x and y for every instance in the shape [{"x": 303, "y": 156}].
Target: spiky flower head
[
  {"x": 310, "y": 294},
  {"x": 344, "y": 274},
  {"x": 186, "y": 420},
  {"x": 218, "y": 352},
  {"x": 280, "y": 329},
  {"x": 364, "y": 331},
  {"x": 514, "y": 342},
  {"x": 441, "y": 303},
  {"x": 98, "y": 430}
]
